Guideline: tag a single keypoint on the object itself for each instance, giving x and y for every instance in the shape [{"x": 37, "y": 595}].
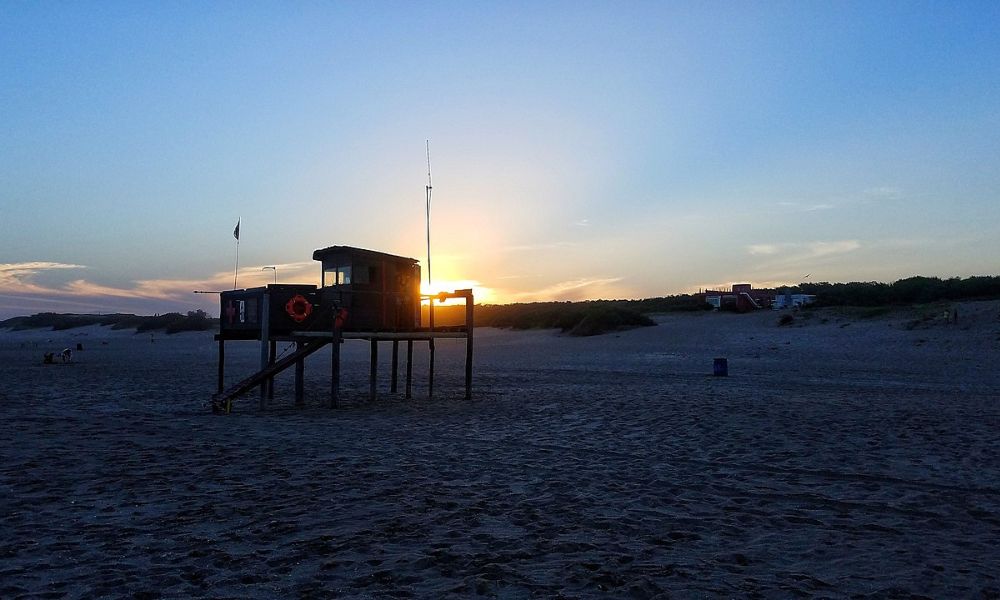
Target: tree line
[
  {"x": 589, "y": 317},
  {"x": 194, "y": 320},
  {"x": 912, "y": 290}
]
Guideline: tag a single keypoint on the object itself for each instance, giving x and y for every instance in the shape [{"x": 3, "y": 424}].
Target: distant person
[
  {"x": 954, "y": 316},
  {"x": 67, "y": 355}
]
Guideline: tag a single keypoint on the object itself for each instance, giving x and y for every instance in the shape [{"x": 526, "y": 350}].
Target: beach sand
[{"x": 843, "y": 457}]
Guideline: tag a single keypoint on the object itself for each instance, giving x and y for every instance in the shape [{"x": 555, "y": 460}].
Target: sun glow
[{"x": 482, "y": 295}]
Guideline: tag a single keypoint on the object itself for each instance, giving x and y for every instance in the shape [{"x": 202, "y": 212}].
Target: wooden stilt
[
  {"x": 254, "y": 381},
  {"x": 222, "y": 365},
  {"x": 300, "y": 367},
  {"x": 273, "y": 351},
  {"x": 430, "y": 348},
  {"x": 373, "y": 370},
  {"x": 430, "y": 371},
  {"x": 335, "y": 369},
  {"x": 409, "y": 369},
  {"x": 395, "y": 366},
  {"x": 265, "y": 338},
  {"x": 469, "y": 327}
]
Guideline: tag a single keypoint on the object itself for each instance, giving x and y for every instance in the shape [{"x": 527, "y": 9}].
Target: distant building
[
  {"x": 742, "y": 297},
  {"x": 792, "y": 300}
]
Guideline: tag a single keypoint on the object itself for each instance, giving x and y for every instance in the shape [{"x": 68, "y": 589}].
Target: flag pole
[
  {"x": 428, "y": 190},
  {"x": 430, "y": 299},
  {"x": 236, "y": 234}
]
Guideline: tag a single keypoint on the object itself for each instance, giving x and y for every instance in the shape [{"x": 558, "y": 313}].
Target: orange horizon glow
[{"x": 481, "y": 294}]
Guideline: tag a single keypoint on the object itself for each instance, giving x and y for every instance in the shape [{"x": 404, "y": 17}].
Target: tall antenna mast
[
  {"x": 429, "y": 188},
  {"x": 430, "y": 300}
]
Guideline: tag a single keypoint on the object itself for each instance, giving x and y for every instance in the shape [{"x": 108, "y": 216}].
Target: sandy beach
[{"x": 843, "y": 457}]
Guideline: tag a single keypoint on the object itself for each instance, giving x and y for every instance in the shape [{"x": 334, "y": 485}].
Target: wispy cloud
[
  {"x": 763, "y": 249},
  {"x": 790, "y": 262},
  {"x": 81, "y": 287},
  {"x": 885, "y": 192},
  {"x": 572, "y": 289},
  {"x": 817, "y": 249},
  {"x": 804, "y": 250},
  {"x": 26, "y": 270},
  {"x": 542, "y": 246},
  {"x": 19, "y": 280},
  {"x": 805, "y": 207}
]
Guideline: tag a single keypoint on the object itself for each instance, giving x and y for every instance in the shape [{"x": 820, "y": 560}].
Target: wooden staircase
[{"x": 222, "y": 401}]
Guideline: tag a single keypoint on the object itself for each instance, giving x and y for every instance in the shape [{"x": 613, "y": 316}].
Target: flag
[{"x": 236, "y": 232}]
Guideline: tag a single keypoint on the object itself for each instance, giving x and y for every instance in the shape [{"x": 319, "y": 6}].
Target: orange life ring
[
  {"x": 341, "y": 318},
  {"x": 298, "y": 308}
]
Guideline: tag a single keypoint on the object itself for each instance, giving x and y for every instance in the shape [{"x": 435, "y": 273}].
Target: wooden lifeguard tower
[{"x": 363, "y": 295}]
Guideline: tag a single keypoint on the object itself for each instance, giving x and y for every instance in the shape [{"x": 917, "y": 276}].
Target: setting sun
[{"x": 483, "y": 295}]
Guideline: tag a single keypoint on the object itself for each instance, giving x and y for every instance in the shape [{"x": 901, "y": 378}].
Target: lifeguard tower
[
  {"x": 378, "y": 291},
  {"x": 363, "y": 294}
]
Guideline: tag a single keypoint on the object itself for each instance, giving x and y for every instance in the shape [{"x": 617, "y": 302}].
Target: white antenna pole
[
  {"x": 430, "y": 300},
  {"x": 429, "y": 187}
]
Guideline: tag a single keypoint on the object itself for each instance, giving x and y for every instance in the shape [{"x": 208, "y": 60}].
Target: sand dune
[{"x": 842, "y": 458}]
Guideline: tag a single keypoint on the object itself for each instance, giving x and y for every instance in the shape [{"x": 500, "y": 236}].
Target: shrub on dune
[{"x": 605, "y": 319}]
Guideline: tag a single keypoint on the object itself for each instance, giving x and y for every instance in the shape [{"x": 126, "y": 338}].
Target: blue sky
[{"x": 580, "y": 149}]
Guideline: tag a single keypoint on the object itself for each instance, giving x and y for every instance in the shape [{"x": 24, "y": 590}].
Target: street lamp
[{"x": 275, "y": 269}]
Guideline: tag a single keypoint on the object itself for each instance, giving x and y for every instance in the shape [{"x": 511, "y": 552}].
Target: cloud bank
[{"x": 21, "y": 292}]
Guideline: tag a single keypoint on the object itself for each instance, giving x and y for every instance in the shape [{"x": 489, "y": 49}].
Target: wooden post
[
  {"x": 409, "y": 369},
  {"x": 335, "y": 369},
  {"x": 373, "y": 370},
  {"x": 469, "y": 327},
  {"x": 430, "y": 349},
  {"x": 300, "y": 367},
  {"x": 265, "y": 337},
  {"x": 395, "y": 366},
  {"x": 222, "y": 365},
  {"x": 273, "y": 350},
  {"x": 430, "y": 370}
]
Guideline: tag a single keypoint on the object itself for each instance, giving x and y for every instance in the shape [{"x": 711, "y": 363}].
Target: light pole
[{"x": 275, "y": 269}]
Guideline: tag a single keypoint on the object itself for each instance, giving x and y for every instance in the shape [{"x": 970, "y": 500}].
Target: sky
[{"x": 579, "y": 150}]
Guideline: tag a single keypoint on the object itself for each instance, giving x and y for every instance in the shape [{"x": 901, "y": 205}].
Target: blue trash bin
[{"x": 720, "y": 367}]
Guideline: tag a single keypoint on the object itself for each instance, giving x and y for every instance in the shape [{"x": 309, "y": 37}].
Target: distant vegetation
[
  {"x": 197, "y": 320},
  {"x": 566, "y": 315},
  {"x": 59, "y": 322},
  {"x": 573, "y": 318},
  {"x": 585, "y": 318},
  {"x": 912, "y": 290},
  {"x": 600, "y": 316}
]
